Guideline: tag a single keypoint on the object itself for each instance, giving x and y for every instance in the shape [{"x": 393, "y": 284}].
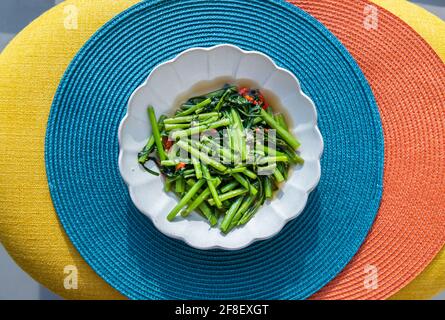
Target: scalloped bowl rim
[{"x": 308, "y": 190}]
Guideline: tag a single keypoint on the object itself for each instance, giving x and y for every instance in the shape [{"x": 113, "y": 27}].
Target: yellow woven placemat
[{"x": 30, "y": 71}]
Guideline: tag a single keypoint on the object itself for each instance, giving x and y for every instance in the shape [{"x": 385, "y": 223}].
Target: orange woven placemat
[{"x": 408, "y": 81}]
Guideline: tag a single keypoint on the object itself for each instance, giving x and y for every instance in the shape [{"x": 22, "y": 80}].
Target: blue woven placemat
[{"x": 121, "y": 244}]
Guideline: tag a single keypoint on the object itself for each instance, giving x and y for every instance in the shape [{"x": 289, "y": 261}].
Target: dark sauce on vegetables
[{"x": 204, "y": 87}]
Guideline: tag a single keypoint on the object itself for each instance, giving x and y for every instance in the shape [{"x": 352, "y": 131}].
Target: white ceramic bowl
[{"x": 171, "y": 79}]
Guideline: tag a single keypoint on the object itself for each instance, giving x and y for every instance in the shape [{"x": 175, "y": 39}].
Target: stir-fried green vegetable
[{"x": 223, "y": 154}]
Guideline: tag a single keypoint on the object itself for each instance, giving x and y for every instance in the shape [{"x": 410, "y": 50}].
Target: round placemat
[
  {"x": 121, "y": 244},
  {"x": 408, "y": 80},
  {"x": 31, "y": 67}
]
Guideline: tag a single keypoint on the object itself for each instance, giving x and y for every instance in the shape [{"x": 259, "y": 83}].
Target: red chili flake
[
  {"x": 180, "y": 166},
  {"x": 254, "y": 96},
  {"x": 262, "y": 101},
  {"x": 167, "y": 143},
  {"x": 243, "y": 91},
  {"x": 249, "y": 98}
]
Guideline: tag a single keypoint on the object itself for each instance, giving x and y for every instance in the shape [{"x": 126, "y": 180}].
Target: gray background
[{"x": 14, "y": 16}]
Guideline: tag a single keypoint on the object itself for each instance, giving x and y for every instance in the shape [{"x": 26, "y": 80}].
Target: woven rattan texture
[{"x": 408, "y": 80}]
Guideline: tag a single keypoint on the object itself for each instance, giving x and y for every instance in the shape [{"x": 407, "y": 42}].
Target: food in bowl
[{"x": 223, "y": 154}]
